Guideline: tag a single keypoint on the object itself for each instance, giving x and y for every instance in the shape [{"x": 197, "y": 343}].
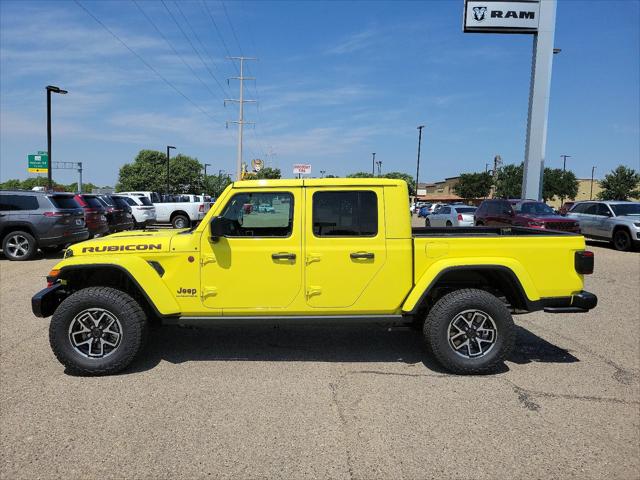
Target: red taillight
[
  {"x": 459, "y": 217},
  {"x": 201, "y": 208},
  {"x": 53, "y": 214},
  {"x": 584, "y": 262}
]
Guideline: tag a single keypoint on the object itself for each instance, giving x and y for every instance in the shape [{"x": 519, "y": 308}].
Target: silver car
[
  {"x": 451, "y": 216},
  {"x": 615, "y": 221}
]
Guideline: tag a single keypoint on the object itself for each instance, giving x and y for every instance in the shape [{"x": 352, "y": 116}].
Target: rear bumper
[
  {"x": 578, "y": 303},
  {"x": 65, "y": 239},
  {"x": 45, "y": 302}
]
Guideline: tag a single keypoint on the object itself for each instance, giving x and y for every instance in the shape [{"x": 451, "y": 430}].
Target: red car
[
  {"x": 94, "y": 214},
  {"x": 522, "y": 213}
]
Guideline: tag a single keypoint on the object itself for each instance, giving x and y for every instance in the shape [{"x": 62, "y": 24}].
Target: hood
[
  {"x": 134, "y": 241},
  {"x": 629, "y": 218}
]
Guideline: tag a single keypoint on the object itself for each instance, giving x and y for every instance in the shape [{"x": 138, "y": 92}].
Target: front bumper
[
  {"x": 578, "y": 303},
  {"x": 45, "y": 302}
]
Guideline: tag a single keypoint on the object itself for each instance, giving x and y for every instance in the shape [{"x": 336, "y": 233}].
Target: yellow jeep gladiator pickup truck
[{"x": 317, "y": 250}]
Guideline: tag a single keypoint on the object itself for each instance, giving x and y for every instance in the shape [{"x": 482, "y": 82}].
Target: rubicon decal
[{"x": 122, "y": 248}]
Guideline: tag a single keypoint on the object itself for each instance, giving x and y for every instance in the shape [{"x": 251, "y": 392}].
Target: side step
[{"x": 287, "y": 320}]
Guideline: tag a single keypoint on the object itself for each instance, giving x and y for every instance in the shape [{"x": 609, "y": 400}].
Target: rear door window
[
  {"x": 345, "y": 214},
  {"x": 64, "y": 201},
  {"x": 145, "y": 201},
  {"x": 18, "y": 202}
]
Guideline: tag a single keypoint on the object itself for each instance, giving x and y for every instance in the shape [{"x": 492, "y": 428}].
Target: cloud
[{"x": 354, "y": 42}]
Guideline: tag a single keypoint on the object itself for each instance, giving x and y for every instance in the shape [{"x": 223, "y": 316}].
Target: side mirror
[{"x": 217, "y": 226}]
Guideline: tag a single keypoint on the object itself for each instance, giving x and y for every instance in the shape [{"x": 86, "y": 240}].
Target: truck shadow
[{"x": 363, "y": 343}]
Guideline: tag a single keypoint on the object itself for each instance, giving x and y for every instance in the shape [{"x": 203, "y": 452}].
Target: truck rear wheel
[
  {"x": 180, "y": 221},
  {"x": 97, "y": 331},
  {"x": 469, "y": 331}
]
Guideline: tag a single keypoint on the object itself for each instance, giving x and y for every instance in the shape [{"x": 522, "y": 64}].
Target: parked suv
[
  {"x": 523, "y": 213},
  {"x": 94, "y": 214},
  {"x": 616, "y": 222},
  {"x": 31, "y": 220},
  {"x": 118, "y": 213},
  {"x": 143, "y": 211}
]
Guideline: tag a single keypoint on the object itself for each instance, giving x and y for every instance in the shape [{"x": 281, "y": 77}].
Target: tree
[
  {"x": 559, "y": 183},
  {"x": 214, "y": 185},
  {"x": 620, "y": 184},
  {"x": 86, "y": 187},
  {"x": 268, "y": 172},
  {"x": 360, "y": 175},
  {"x": 403, "y": 176},
  {"x": 509, "y": 181},
  {"x": 11, "y": 184},
  {"x": 149, "y": 172},
  {"x": 474, "y": 185}
]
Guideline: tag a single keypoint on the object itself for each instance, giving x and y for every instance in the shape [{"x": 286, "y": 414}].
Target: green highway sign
[{"x": 38, "y": 162}]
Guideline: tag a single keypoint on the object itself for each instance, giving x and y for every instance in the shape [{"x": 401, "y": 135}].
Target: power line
[
  {"x": 233, "y": 30},
  {"x": 174, "y": 49},
  {"x": 192, "y": 46},
  {"x": 204, "y": 48},
  {"x": 147, "y": 64},
  {"x": 215, "y": 25}
]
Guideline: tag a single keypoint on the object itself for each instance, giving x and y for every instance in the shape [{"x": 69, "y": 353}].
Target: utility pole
[
  {"x": 169, "y": 147},
  {"x": 241, "y": 101},
  {"x": 486, "y": 167},
  {"x": 373, "y": 164},
  {"x": 593, "y": 169},
  {"x": 420, "y": 127},
  {"x": 564, "y": 162},
  {"x": 50, "y": 88},
  {"x": 497, "y": 163}
]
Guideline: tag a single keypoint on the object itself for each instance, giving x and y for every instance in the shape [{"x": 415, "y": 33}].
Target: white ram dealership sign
[{"x": 501, "y": 17}]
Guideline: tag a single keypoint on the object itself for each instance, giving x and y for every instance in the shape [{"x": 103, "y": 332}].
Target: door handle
[
  {"x": 283, "y": 256},
  {"x": 360, "y": 255}
]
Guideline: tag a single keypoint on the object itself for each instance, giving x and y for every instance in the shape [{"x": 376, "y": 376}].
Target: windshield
[
  {"x": 621, "y": 209},
  {"x": 534, "y": 208}
]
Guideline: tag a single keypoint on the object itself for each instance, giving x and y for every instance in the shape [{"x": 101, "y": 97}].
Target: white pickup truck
[{"x": 182, "y": 212}]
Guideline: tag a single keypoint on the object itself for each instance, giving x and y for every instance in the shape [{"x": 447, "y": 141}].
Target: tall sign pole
[
  {"x": 420, "y": 127},
  {"x": 536, "y": 144},
  {"x": 537, "y": 17}
]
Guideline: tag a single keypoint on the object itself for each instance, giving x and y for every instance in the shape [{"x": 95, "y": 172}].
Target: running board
[{"x": 286, "y": 320}]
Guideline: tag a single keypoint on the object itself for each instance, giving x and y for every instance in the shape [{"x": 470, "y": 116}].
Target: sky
[{"x": 335, "y": 81}]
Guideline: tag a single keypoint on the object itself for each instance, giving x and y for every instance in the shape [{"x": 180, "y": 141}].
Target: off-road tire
[
  {"x": 622, "y": 240},
  {"x": 19, "y": 237},
  {"x": 437, "y": 323},
  {"x": 180, "y": 219},
  {"x": 119, "y": 304}
]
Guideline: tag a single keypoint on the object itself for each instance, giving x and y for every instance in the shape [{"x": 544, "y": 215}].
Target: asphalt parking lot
[{"x": 316, "y": 402}]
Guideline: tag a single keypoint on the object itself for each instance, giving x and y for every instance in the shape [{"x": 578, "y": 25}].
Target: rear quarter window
[{"x": 64, "y": 201}]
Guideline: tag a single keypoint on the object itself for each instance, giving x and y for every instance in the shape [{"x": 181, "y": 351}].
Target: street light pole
[
  {"x": 50, "y": 88},
  {"x": 420, "y": 127},
  {"x": 564, "y": 162},
  {"x": 373, "y": 164},
  {"x": 593, "y": 169},
  {"x": 169, "y": 147}
]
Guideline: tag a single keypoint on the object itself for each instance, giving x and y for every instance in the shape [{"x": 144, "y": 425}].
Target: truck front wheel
[
  {"x": 180, "y": 221},
  {"x": 97, "y": 331},
  {"x": 469, "y": 331}
]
